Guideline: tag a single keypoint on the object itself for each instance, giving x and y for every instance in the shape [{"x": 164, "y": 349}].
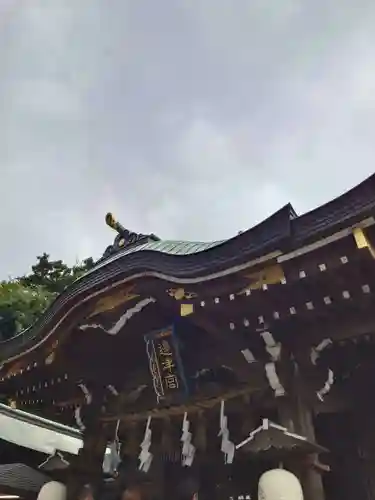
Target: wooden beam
[
  {"x": 229, "y": 343},
  {"x": 325, "y": 241},
  {"x": 339, "y": 328},
  {"x": 192, "y": 407},
  {"x": 336, "y": 401}
]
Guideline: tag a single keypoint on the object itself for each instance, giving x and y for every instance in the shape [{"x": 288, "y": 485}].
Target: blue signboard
[{"x": 165, "y": 365}]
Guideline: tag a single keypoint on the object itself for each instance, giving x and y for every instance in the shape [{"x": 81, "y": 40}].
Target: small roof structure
[
  {"x": 54, "y": 445},
  {"x": 19, "y": 478},
  {"x": 37, "y": 433},
  {"x": 271, "y": 440}
]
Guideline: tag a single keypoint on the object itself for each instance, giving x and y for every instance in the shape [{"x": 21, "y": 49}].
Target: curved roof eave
[
  {"x": 354, "y": 202},
  {"x": 194, "y": 261},
  {"x": 275, "y": 227}
]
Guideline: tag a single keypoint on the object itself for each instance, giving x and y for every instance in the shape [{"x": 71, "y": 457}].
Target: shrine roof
[
  {"x": 145, "y": 268},
  {"x": 283, "y": 227},
  {"x": 273, "y": 440},
  {"x": 282, "y": 232},
  {"x": 177, "y": 247}
]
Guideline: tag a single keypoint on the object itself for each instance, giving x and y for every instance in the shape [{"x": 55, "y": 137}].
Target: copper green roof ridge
[
  {"x": 168, "y": 247},
  {"x": 175, "y": 247}
]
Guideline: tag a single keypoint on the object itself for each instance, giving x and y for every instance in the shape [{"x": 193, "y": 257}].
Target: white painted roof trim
[{"x": 37, "y": 433}]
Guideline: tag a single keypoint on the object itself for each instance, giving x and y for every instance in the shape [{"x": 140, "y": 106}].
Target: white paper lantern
[
  {"x": 52, "y": 491},
  {"x": 279, "y": 484}
]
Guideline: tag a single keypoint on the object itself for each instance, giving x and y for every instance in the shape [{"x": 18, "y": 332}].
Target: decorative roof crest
[{"x": 125, "y": 238}]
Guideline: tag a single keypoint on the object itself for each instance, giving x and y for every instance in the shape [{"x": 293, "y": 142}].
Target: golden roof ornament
[{"x": 125, "y": 237}]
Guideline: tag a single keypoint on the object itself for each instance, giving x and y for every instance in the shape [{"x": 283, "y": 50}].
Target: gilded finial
[
  {"x": 124, "y": 237},
  {"x": 119, "y": 228},
  {"x": 110, "y": 220}
]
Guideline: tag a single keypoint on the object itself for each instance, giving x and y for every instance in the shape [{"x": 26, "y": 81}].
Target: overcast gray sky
[{"x": 192, "y": 119}]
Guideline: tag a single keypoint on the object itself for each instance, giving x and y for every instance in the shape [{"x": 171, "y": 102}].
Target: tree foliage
[
  {"x": 23, "y": 300},
  {"x": 54, "y": 275},
  {"x": 20, "y": 306}
]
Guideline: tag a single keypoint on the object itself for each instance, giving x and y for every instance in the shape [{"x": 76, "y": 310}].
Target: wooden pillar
[
  {"x": 311, "y": 478},
  {"x": 363, "y": 412},
  {"x": 366, "y": 460},
  {"x": 87, "y": 466},
  {"x": 296, "y": 414},
  {"x": 131, "y": 441},
  {"x": 208, "y": 478}
]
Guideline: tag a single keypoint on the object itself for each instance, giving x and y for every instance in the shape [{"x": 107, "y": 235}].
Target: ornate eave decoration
[{"x": 125, "y": 238}]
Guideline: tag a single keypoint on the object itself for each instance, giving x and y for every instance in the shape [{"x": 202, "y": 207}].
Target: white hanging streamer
[
  {"x": 145, "y": 457},
  {"x": 78, "y": 419},
  {"x": 121, "y": 322},
  {"x": 248, "y": 355},
  {"x": 227, "y": 446},
  {"x": 112, "y": 460},
  {"x": 272, "y": 347},
  {"x": 274, "y": 380},
  {"x": 327, "y": 386},
  {"x": 86, "y": 393},
  {"x": 316, "y": 351},
  {"x": 112, "y": 389},
  {"x": 77, "y": 412},
  {"x": 314, "y": 356},
  {"x": 188, "y": 449}
]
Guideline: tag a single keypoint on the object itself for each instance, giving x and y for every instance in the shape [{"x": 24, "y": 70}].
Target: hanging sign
[{"x": 165, "y": 364}]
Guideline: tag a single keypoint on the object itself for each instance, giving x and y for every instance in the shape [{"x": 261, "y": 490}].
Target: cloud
[{"x": 189, "y": 120}]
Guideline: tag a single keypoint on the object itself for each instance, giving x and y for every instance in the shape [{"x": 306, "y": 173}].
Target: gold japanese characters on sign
[
  {"x": 168, "y": 365},
  {"x": 165, "y": 364}
]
